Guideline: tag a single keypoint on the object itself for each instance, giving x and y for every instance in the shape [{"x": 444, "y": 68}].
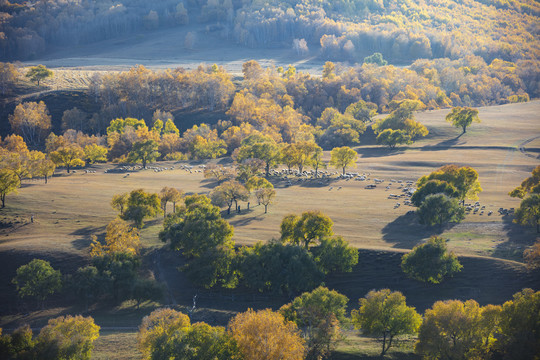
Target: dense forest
[{"x": 402, "y": 30}]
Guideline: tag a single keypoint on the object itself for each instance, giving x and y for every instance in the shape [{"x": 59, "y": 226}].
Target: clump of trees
[
  {"x": 430, "y": 262},
  {"x": 528, "y": 212},
  {"x": 438, "y": 194},
  {"x": 63, "y": 338}
]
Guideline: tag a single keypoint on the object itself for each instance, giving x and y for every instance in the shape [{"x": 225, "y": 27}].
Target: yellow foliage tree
[
  {"x": 120, "y": 238},
  {"x": 265, "y": 335}
]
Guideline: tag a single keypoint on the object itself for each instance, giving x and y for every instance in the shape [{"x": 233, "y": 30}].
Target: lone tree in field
[
  {"x": 141, "y": 205},
  {"x": 266, "y": 197},
  {"x": 385, "y": 314},
  {"x": 37, "y": 279},
  {"x": 228, "y": 193},
  {"x": 464, "y": 179},
  {"x": 168, "y": 194},
  {"x": 430, "y": 262},
  {"x": 342, "y": 157},
  {"x": 38, "y": 73},
  {"x": 463, "y": 117},
  {"x": 119, "y": 202}
]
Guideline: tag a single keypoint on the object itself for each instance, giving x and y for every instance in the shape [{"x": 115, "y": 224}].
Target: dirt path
[{"x": 522, "y": 147}]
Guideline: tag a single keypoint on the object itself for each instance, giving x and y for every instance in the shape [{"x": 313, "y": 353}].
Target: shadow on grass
[
  {"x": 337, "y": 355},
  {"x": 519, "y": 238},
  {"x": 372, "y": 151},
  {"x": 406, "y": 232}
]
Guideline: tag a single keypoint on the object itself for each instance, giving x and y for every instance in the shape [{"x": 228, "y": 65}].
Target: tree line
[{"x": 309, "y": 327}]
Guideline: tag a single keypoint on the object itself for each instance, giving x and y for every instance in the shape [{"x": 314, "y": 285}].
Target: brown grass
[{"x": 73, "y": 207}]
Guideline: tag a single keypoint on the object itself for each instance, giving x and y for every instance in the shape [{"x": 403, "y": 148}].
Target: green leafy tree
[
  {"x": 463, "y": 117},
  {"x": 9, "y": 183},
  {"x": 170, "y": 128},
  {"x": 430, "y": 262},
  {"x": 37, "y": 279},
  {"x": 197, "y": 227},
  {"x": 68, "y": 156},
  {"x": 385, "y": 314},
  {"x": 402, "y": 118},
  {"x": 38, "y": 73},
  {"x": 343, "y": 157},
  {"x": 528, "y": 212},
  {"x": 335, "y": 254},
  {"x": 119, "y": 125},
  {"x": 118, "y": 274},
  {"x": 147, "y": 290},
  {"x": 433, "y": 187},
  {"x": 317, "y": 161},
  {"x": 17, "y": 345},
  {"x": 440, "y": 209},
  {"x": 306, "y": 228},
  {"x": 144, "y": 151},
  {"x": 318, "y": 314},
  {"x": 391, "y": 138},
  {"x": 278, "y": 268},
  {"x": 85, "y": 284},
  {"x": 215, "y": 266},
  {"x": 67, "y": 338},
  {"x": 141, "y": 205},
  {"x": 375, "y": 58}
]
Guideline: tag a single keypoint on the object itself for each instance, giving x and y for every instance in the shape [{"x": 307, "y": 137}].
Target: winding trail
[{"x": 522, "y": 147}]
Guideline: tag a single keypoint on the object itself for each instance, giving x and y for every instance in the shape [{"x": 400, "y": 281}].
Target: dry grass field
[{"x": 504, "y": 149}]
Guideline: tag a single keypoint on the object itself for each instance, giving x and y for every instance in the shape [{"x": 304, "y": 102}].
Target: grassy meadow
[{"x": 504, "y": 149}]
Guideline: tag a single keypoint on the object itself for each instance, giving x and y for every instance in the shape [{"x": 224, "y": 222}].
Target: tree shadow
[
  {"x": 86, "y": 236},
  {"x": 378, "y": 151},
  {"x": 405, "y": 232},
  {"x": 519, "y": 238},
  {"x": 451, "y": 142},
  {"x": 209, "y": 183}
]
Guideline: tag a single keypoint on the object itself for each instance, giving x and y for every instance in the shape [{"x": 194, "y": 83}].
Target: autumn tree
[
  {"x": 168, "y": 194},
  {"x": 119, "y": 202},
  {"x": 68, "y": 156},
  {"x": 361, "y": 110},
  {"x": 75, "y": 119},
  {"x": 385, "y": 314},
  {"x": 318, "y": 314},
  {"x": 438, "y": 209},
  {"x": 37, "y": 279},
  {"x": 519, "y": 331},
  {"x": 463, "y": 117},
  {"x": 38, "y": 73},
  {"x": 306, "y": 228},
  {"x": 228, "y": 193},
  {"x": 343, "y": 157},
  {"x": 532, "y": 255},
  {"x": 454, "y": 329},
  {"x": 266, "y": 335},
  {"x": 32, "y": 121},
  {"x": 528, "y": 212},
  {"x": 431, "y": 187},
  {"x": 256, "y": 184},
  {"x": 464, "y": 179},
  {"x": 430, "y": 262},
  {"x": 317, "y": 161},
  {"x": 144, "y": 151},
  {"x": 119, "y": 237},
  {"x": 218, "y": 172},
  {"x": 530, "y": 185},
  {"x": 8, "y": 77},
  {"x": 265, "y": 196},
  {"x": 43, "y": 167},
  {"x": 67, "y": 337},
  {"x": 94, "y": 153},
  {"x": 261, "y": 148},
  {"x": 402, "y": 118},
  {"x": 141, "y": 205},
  {"x": 9, "y": 182}
]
